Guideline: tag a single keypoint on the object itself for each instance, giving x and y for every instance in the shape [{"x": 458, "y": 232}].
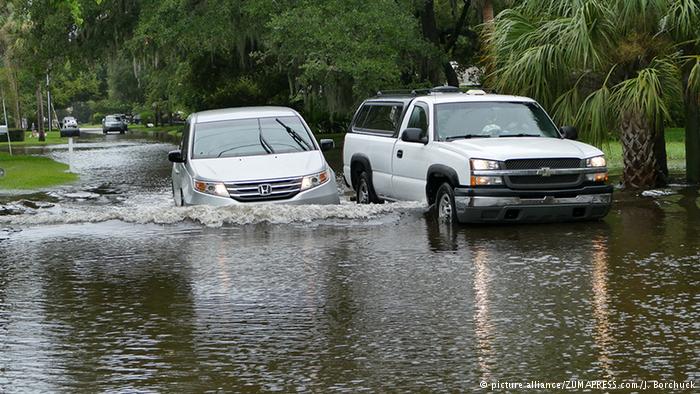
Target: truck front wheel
[
  {"x": 444, "y": 207},
  {"x": 365, "y": 192}
]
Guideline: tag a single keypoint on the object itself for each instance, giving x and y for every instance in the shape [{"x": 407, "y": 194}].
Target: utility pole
[
  {"x": 4, "y": 114},
  {"x": 48, "y": 98}
]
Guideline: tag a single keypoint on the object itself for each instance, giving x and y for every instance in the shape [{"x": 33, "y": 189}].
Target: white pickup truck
[{"x": 474, "y": 158}]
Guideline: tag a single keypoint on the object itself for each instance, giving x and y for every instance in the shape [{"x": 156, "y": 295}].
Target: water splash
[{"x": 165, "y": 213}]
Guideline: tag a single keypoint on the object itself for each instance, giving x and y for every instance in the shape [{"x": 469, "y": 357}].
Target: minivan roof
[{"x": 241, "y": 113}]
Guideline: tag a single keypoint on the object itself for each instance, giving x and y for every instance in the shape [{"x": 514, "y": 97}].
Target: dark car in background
[{"x": 114, "y": 123}]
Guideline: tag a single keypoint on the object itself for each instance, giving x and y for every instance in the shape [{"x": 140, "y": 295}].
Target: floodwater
[{"x": 105, "y": 286}]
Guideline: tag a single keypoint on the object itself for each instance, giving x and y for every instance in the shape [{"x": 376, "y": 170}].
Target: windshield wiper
[
  {"x": 295, "y": 136},
  {"x": 266, "y": 145},
  {"x": 466, "y": 136},
  {"x": 520, "y": 135}
]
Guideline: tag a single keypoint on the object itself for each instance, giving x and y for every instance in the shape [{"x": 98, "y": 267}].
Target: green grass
[
  {"x": 32, "y": 172},
  {"x": 172, "y": 130},
  {"x": 52, "y": 138},
  {"x": 675, "y": 151}
]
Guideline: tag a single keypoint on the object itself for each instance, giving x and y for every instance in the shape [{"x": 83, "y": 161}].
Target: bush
[
  {"x": 16, "y": 135},
  {"x": 147, "y": 117},
  {"x": 97, "y": 118}
]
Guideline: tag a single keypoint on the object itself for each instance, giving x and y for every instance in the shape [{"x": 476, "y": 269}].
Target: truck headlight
[
  {"x": 314, "y": 180},
  {"x": 486, "y": 180},
  {"x": 598, "y": 161},
  {"x": 480, "y": 164},
  {"x": 213, "y": 188}
]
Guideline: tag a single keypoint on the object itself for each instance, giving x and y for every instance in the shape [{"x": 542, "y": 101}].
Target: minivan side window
[
  {"x": 380, "y": 118},
  {"x": 184, "y": 143},
  {"x": 419, "y": 119}
]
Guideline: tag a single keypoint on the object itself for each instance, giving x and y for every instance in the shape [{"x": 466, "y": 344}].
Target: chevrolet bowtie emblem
[{"x": 544, "y": 171}]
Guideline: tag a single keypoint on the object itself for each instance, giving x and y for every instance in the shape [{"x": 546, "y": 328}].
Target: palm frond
[
  {"x": 683, "y": 18},
  {"x": 649, "y": 93},
  {"x": 596, "y": 114}
]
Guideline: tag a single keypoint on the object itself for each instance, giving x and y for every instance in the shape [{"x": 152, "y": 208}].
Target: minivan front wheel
[
  {"x": 178, "y": 198},
  {"x": 445, "y": 204}
]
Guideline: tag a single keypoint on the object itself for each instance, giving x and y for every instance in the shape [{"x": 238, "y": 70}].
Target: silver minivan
[{"x": 249, "y": 155}]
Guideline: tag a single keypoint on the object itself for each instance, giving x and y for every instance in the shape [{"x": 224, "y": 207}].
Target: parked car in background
[
  {"x": 251, "y": 155},
  {"x": 114, "y": 123},
  {"x": 69, "y": 122},
  {"x": 474, "y": 157}
]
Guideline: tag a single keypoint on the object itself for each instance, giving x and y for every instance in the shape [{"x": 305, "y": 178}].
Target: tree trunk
[
  {"x": 661, "y": 157},
  {"x": 487, "y": 11},
  {"x": 430, "y": 33},
  {"x": 692, "y": 139},
  {"x": 40, "y": 113},
  {"x": 638, "y": 158}
]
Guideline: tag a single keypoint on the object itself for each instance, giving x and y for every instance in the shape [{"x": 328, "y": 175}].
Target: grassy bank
[
  {"x": 174, "y": 131},
  {"x": 52, "y": 138},
  {"x": 32, "y": 172}
]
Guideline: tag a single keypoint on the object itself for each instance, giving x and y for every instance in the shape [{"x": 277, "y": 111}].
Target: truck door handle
[{"x": 399, "y": 153}]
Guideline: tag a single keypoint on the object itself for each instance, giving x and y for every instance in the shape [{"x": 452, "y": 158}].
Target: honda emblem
[{"x": 265, "y": 189}]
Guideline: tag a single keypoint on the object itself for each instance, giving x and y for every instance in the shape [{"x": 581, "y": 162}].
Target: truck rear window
[{"x": 381, "y": 118}]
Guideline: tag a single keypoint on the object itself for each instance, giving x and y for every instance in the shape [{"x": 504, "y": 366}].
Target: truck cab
[{"x": 473, "y": 157}]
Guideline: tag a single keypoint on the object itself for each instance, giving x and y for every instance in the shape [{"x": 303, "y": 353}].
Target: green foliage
[
  {"x": 97, "y": 117},
  {"x": 591, "y": 60}
]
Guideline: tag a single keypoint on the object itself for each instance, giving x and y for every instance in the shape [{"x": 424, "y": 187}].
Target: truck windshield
[
  {"x": 250, "y": 137},
  {"x": 492, "y": 119}
]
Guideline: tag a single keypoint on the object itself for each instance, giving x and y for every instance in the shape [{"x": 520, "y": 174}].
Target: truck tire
[
  {"x": 365, "y": 191},
  {"x": 444, "y": 207}
]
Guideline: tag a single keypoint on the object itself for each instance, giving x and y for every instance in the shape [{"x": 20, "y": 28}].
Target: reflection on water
[
  {"x": 482, "y": 320},
  {"x": 108, "y": 294},
  {"x": 603, "y": 333}
]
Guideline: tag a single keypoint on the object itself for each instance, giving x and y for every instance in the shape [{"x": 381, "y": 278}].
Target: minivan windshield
[
  {"x": 250, "y": 137},
  {"x": 492, "y": 120}
]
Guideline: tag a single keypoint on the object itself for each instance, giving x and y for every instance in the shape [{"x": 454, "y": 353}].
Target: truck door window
[
  {"x": 382, "y": 118},
  {"x": 419, "y": 119}
]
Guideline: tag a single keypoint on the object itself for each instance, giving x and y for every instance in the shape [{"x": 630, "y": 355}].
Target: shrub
[
  {"x": 97, "y": 117},
  {"x": 16, "y": 135}
]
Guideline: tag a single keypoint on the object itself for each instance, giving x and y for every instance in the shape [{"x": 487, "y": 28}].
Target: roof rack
[{"x": 419, "y": 92}]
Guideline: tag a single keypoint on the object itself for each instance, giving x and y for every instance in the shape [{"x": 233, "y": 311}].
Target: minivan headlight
[
  {"x": 213, "y": 188},
  {"x": 314, "y": 180},
  {"x": 598, "y": 161}
]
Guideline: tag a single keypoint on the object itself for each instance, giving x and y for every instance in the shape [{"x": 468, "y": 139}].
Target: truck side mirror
[
  {"x": 326, "y": 144},
  {"x": 569, "y": 132},
  {"x": 414, "y": 134},
  {"x": 175, "y": 156}
]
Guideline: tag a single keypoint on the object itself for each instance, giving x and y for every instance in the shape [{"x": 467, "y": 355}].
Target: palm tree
[{"x": 600, "y": 65}]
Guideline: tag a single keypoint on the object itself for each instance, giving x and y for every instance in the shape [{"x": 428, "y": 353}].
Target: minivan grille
[{"x": 264, "y": 190}]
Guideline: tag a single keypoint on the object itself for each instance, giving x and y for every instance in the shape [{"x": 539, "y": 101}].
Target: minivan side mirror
[
  {"x": 569, "y": 132},
  {"x": 414, "y": 134},
  {"x": 175, "y": 156},
  {"x": 326, "y": 144}
]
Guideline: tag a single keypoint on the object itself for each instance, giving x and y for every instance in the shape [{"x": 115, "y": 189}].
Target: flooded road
[{"x": 105, "y": 286}]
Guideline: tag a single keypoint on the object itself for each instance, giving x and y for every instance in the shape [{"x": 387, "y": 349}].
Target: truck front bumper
[{"x": 494, "y": 205}]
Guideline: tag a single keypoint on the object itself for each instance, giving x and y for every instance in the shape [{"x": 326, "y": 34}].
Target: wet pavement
[{"x": 106, "y": 286}]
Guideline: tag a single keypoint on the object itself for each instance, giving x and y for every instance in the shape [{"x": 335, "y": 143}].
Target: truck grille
[
  {"x": 542, "y": 182},
  {"x": 264, "y": 190},
  {"x": 533, "y": 164}
]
